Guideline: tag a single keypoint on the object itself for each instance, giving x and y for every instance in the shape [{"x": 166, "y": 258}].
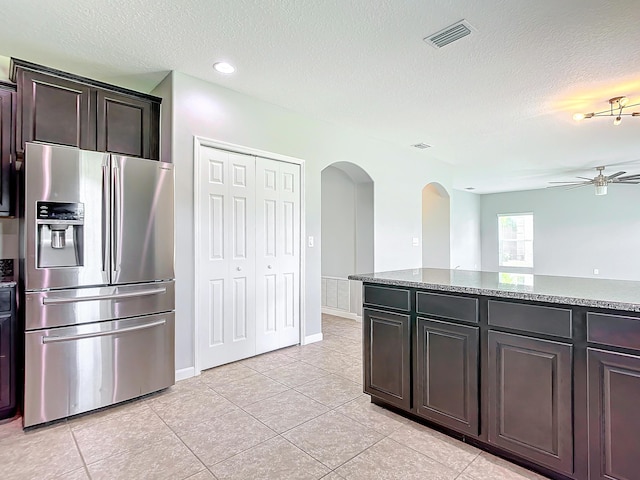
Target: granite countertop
[{"x": 588, "y": 292}]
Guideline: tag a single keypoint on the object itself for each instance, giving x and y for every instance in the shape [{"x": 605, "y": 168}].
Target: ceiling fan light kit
[
  {"x": 616, "y": 110},
  {"x": 601, "y": 189}
]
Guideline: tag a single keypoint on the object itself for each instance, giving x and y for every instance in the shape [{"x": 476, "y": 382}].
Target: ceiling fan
[{"x": 601, "y": 181}]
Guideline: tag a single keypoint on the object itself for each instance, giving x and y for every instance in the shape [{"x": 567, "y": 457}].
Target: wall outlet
[
  {"x": 596, "y": 271},
  {"x": 415, "y": 242},
  {"x": 310, "y": 242}
]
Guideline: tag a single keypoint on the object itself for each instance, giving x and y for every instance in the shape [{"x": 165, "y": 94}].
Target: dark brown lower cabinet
[
  {"x": 387, "y": 346},
  {"x": 614, "y": 415},
  {"x": 446, "y": 381},
  {"x": 8, "y": 354},
  {"x": 529, "y": 398}
]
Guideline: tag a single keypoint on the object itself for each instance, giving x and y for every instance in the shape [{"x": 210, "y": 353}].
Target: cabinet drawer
[
  {"x": 396, "y": 298},
  {"x": 615, "y": 330},
  {"x": 448, "y": 306},
  {"x": 531, "y": 318}
]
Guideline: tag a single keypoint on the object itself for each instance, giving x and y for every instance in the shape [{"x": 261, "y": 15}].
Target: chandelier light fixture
[{"x": 616, "y": 110}]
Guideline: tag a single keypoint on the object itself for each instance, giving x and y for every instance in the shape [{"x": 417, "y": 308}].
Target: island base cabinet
[
  {"x": 614, "y": 415},
  {"x": 446, "y": 381},
  {"x": 387, "y": 367},
  {"x": 529, "y": 398}
]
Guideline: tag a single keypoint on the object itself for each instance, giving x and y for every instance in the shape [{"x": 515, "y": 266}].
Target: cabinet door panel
[
  {"x": 387, "y": 366},
  {"x": 7, "y": 396},
  {"x": 125, "y": 125},
  {"x": 529, "y": 394},
  {"x": 446, "y": 381},
  {"x": 614, "y": 422},
  {"x": 7, "y": 102},
  {"x": 55, "y": 110}
]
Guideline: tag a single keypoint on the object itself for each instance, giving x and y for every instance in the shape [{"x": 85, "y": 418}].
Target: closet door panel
[
  {"x": 289, "y": 254},
  {"x": 226, "y": 257},
  {"x": 278, "y": 254}
]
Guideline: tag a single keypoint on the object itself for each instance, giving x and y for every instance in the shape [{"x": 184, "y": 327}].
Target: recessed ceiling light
[
  {"x": 421, "y": 146},
  {"x": 470, "y": 188},
  {"x": 224, "y": 67}
]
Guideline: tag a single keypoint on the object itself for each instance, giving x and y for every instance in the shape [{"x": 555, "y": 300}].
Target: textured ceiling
[{"x": 497, "y": 103}]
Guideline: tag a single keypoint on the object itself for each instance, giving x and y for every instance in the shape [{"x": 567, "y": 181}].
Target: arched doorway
[
  {"x": 436, "y": 228},
  {"x": 347, "y": 236}
]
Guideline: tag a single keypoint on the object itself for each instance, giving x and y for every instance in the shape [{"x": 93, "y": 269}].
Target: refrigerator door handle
[
  {"x": 116, "y": 232},
  {"x": 106, "y": 215},
  {"x": 80, "y": 336},
  {"x": 114, "y": 296}
]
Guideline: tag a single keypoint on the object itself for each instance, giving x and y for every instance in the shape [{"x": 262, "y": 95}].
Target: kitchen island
[{"x": 542, "y": 370}]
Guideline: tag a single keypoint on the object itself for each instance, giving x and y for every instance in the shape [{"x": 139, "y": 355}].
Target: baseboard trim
[
  {"x": 185, "y": 373},
  {"x": 341, "y": 313},
  {"x": 316, "y": 337}
]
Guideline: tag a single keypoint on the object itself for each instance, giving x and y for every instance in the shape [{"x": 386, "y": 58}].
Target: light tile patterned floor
[{"x": 298, "y": 413}]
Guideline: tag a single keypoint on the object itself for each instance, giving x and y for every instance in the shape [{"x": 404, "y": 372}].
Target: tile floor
[{"x": 298, "y": 413}]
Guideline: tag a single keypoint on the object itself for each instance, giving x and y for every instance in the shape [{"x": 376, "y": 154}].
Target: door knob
[
  {"x": 269, "y": 267},
  {"x": 239, "y": 269}
]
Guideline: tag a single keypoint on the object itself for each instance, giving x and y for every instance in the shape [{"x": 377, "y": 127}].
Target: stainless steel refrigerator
[{"x": 97, "y": 275}]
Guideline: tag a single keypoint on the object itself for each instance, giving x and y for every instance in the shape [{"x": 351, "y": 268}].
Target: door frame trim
[{"x": 198, "y": 142}]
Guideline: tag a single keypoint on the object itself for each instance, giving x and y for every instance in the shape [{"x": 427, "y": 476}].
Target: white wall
[
  {"x": 574, "y": 230},
  {"x": 9, "y": 239},
  {"x": 207, "y": 110},
  {"x": 347, "y": 223},
  {"x": 4, "y": 68},
  {"x": 365, "y": 227},
  {"x": 465, "y": 230},
  {"x": 436, "y": 229},
  {"x": 338, "y": 223}
]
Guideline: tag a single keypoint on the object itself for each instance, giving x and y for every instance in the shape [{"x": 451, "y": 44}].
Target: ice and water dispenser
[{"x": 60, "y": 235}]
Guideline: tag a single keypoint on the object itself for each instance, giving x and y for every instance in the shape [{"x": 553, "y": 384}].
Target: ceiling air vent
[
  {"x": 421, "y": 146},
  {"x": 450, "y": 34}
]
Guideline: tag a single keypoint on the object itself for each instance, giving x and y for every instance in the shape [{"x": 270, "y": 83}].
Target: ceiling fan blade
[
  {"x": 615, "y": 175},
  {"x": 628, "y": 182},
  {"x": 574, "y": 183},
  {"x": 572, "y": 187},
  {"x": 569, "y": 186},
  {"x": 630, "y": 177},
  {"x": 586, "y": 178}
]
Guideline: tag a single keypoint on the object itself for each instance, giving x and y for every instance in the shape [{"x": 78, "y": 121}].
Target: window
[{"x": 515, "y": 240}]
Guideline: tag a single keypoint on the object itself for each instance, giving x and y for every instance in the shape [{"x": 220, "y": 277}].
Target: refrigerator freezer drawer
[
  {"x": 87, "y": 305},
  {"x": 72, "y": 370}
]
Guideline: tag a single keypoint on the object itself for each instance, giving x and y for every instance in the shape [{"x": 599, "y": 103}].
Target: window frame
[{"x": 516, "y": 266}]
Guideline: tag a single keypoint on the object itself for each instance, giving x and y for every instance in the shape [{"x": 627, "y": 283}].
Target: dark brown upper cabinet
[
  {"x": 127, "y": 125},
  {"x": 62, "y": 108},
  {"x": 7, "y": 148},
  {"x": 54, "y": 110}
]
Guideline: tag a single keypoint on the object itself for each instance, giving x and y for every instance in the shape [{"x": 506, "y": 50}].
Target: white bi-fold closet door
[{"x": 248, "y": 257}]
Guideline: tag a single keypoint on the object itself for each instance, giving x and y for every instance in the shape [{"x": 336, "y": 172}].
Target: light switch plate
[
  {"x": 415, "y": 242},
  {"x": 310, "y": 242}
]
